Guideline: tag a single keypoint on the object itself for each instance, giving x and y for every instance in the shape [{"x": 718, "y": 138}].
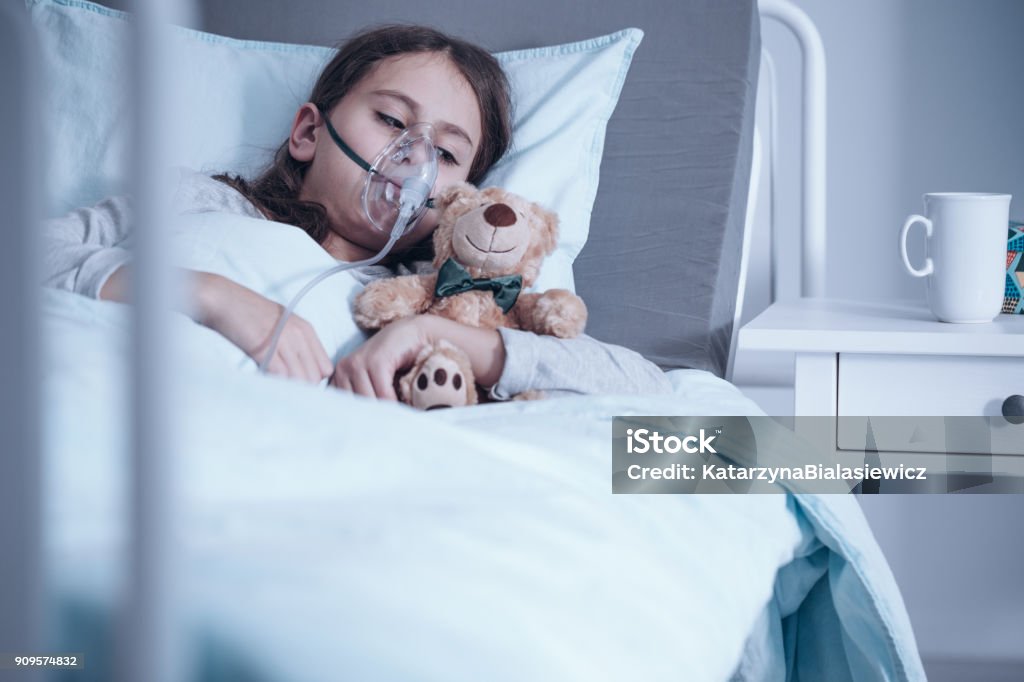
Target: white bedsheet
[{"x": 327, "y": 537}]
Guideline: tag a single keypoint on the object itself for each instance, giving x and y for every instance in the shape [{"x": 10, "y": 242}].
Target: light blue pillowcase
[{"x": 239, "y": 98}]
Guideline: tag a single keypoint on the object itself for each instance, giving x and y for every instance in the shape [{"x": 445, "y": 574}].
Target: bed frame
[
  {"x": 813, "y": 169},
  {"x": 147, "y": 645}
]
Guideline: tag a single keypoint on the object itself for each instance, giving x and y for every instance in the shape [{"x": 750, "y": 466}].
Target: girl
[{"x": 379, "y": 83}]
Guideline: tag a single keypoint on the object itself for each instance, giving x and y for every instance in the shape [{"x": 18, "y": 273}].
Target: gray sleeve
[
  {"x": 82, "y": 249},
  {"x": 86, "y": 246},
  {"x": 566, "y": 366}
]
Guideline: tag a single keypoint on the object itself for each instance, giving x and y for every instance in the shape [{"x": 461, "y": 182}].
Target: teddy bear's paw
[
  {"x": 381, "y": 303},
  {"x": 438, "y": 382},
  {"x": 560, "y": 313}
]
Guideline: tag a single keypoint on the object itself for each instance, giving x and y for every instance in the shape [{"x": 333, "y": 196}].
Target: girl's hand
[
  {"x": 370, "y": 369},
  {"x": 248, "y": 319}
]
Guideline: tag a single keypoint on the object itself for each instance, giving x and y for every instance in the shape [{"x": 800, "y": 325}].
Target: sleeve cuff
[
  {"x": 98, "y": 268},
  {"x": 520, "y": 363}
]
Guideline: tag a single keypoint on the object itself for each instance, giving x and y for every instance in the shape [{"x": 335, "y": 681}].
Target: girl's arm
[
  {"x": 86, "y": 253},
  {"x": 579, "y": 365},
  {"x": 85, "y": 247},
  {"x": 246, "y": 319},
  {"x": 370, "y": 369},
  {"x": 509, "y": 360}
]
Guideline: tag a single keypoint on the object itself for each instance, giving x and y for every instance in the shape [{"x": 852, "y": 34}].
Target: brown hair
[{"x": 276, "y": 190}]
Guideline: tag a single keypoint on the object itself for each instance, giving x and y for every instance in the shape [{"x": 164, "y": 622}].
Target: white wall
[{"x": 924, "y": 95}]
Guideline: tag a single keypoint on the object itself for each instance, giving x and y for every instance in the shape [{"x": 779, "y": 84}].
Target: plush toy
[{"x": 488, "y": 247}]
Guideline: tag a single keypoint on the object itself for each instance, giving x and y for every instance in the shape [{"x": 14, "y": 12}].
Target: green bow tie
[{"x": 453, "y": 279}]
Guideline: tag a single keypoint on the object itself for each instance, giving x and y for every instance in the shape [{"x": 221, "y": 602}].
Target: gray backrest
[{"x": 660, "y": 270}]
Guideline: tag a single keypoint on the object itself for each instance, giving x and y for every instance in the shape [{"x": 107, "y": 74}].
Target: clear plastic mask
[
  {"x": 408, "y": 163},
  {"x": 407, "y": 167}
]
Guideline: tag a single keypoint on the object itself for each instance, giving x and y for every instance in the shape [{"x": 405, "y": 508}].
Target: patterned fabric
[{"x": 1012, "y": 301}]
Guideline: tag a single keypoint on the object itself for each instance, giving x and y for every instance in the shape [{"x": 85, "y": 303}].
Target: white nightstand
[
  {"x": 889, "y": 358},
  {"x": 859, "y": 359}
]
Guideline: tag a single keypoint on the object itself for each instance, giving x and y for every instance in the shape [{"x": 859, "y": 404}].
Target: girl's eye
[
  {"x": 444, "y": 155},
  {"x": 390, "y": 121},
  {"x": 447, "y": 157}
]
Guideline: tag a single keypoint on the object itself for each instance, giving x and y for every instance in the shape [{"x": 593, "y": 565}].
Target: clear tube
[{"x": 406, "y": 212}]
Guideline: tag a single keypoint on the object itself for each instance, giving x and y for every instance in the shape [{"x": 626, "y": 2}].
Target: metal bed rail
[
  {"x": 812, "y": 283},
  {"x": 813, "y": 178},
  {"x": 21, "y": 561},
  {"x": 151, "y": 644}
]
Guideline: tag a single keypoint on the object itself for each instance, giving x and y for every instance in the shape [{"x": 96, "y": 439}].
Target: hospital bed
[{"x": 276, "y": 531}]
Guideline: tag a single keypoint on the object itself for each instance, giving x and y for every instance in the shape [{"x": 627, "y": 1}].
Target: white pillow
[
  {"x": 276, "y": 260},
  {"x": 241, "y": 96},
  {"x": 564, "y": 96}
]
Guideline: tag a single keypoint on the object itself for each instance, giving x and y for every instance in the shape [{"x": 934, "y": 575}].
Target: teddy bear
[{"x": 488, "y": 247}]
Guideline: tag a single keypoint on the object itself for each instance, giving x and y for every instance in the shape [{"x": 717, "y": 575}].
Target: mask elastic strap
[{"x": 351, "y": 153}]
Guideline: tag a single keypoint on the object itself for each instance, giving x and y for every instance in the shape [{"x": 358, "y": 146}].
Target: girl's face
[{"x": 397, "y": 92}]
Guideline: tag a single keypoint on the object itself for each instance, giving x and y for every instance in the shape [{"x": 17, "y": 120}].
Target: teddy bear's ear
[{"x": 459, "y": 193}]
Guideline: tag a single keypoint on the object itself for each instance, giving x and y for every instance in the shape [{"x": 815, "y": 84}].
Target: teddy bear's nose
[{"x": 500, "y": 215}]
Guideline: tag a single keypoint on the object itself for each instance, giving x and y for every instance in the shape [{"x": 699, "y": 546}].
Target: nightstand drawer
[{"x": 928, "y": 386}]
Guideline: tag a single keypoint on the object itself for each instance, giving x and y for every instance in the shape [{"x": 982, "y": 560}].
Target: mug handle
[{"x": 929, "y": 267}]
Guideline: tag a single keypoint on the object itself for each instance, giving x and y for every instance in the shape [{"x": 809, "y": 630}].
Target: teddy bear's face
[
  {"x": 492, "y": 232},
  {"x": 492, "y": 237}
]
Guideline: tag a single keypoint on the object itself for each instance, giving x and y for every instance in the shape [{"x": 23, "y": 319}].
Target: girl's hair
[{"x": 276, "y": 190}]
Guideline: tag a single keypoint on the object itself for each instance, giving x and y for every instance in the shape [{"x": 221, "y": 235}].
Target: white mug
[{"x": 966, "y": 263}]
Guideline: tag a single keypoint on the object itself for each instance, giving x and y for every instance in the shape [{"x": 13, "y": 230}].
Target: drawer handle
[{"x": 1013, "y": 409}]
